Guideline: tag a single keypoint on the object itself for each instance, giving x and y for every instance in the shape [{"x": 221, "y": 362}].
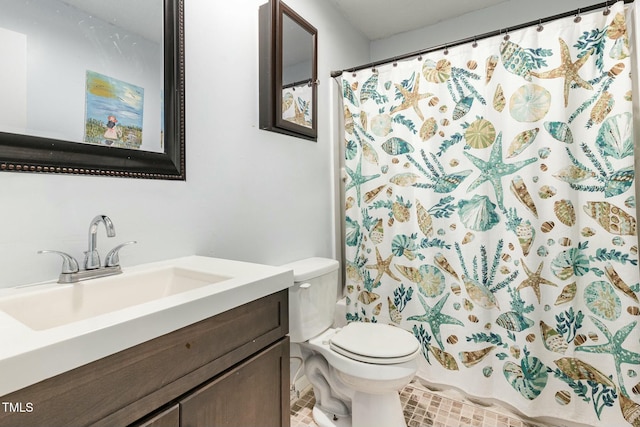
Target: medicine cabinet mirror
[
  {"x": 93, "y": 88},
  {"x": 288, "y": 72}
]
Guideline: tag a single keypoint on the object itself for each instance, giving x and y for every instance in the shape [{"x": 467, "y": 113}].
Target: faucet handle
[
  {"x": 112, "y": 259},
  {"x": 69, "y": 263}
]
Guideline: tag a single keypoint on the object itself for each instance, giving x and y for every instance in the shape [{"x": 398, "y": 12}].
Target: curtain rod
[
  {"x": 474, "y": 39},
  {"x": 298, "y": 83}
]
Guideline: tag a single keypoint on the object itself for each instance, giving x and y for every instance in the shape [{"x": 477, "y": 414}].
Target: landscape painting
[{"x": 113, "y": 112}]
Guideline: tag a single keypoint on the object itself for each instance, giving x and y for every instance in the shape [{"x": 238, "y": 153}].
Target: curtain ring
[
  {"x": 578, "y": 18},
  {"x": 506, "y": 35},
  {"x": 606, "y": 9},
  {"x": 446, "y": 50},
  {"x": 420, "y": 57},
  {"x": 475, "y": 43},
  {"x": 395, "y": 62},
  {"x": 540, "y": 27}
]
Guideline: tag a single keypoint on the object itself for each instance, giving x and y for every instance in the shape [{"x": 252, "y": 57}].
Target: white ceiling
[{"x": 378, "y": 19}]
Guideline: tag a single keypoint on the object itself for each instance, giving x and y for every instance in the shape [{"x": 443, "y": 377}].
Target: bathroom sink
[
  {"x": 58, "y": 305},
  {"x": 50, "y": 328}
]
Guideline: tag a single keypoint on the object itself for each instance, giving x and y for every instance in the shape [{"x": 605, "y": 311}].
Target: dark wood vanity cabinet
[{"x": 229, "y": 370}]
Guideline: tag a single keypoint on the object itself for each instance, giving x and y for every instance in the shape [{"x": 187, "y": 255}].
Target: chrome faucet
[
  {"x": 71, "y": 273},
  {"x": 91, "y": 256}
]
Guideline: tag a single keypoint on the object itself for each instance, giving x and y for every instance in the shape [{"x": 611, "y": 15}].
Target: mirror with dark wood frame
[
  {"x": 78, "y": 58},
  {"x": 288, "y": 72}
]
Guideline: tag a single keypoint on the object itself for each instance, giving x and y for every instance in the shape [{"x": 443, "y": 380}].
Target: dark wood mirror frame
[
  {"x": 25, "y": 153},
  {"x": 271, "y": 61}
]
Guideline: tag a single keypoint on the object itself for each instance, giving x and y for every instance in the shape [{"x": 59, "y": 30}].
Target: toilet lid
[{"x": 375, "y": 343}]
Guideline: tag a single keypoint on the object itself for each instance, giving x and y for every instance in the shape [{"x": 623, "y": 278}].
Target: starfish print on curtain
[
  {"x": 494, "y": 169},
  {"x": 382, "y": 266},
  {"x": 534, "y": 280},
  {"x": 567, "y": 70},
  {"x": 411, "y": 98}
]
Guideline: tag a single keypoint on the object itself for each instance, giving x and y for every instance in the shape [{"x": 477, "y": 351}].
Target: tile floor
[{"x": 423, "y": 408}]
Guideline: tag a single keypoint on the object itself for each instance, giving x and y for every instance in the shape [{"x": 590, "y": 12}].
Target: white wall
[
  {"x": 250, "y": 194},
  {"x": 502, "y": 15}
]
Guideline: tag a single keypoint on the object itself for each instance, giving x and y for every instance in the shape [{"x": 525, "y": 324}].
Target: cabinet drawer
[{"x": 125, "y": 386}]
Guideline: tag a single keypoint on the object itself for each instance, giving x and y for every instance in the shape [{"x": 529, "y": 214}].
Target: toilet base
[
  {"x": 323, "y": 419},
  {"x": 368, "y": 410},
  {"x": 377, "y": 410}
]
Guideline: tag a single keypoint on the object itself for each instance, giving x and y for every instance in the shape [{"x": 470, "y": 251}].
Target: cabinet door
[
  {"x": 255, "y": 393},
  {"x": 170, "y": 417}
]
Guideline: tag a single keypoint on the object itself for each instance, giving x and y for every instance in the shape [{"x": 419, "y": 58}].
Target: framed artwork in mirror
[
  {"x": 93, "y": 90},
  {"x": 288, "y": 72}
]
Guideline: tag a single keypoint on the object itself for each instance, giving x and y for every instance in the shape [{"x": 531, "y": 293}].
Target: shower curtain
[{"x": 490, "y": 211}]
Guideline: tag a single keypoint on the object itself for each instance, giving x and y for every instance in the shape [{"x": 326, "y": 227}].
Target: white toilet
[{"x": 356, "y": 371}]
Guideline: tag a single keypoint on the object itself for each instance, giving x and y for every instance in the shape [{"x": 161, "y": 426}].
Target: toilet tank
[{"x": 312, "y": 298}]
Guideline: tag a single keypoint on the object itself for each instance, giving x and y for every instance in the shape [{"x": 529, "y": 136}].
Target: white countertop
[{"x": 28, "y": 356}]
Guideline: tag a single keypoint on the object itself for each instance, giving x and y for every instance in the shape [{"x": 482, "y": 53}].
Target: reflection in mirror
[
  {"x": 288, "y": 72},
  {"x": 92, "y": 88},
  {"x": 297, "y": 72}
]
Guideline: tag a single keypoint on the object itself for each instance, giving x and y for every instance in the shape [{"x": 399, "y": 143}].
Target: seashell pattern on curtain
[{"x": 490, "y": 210}]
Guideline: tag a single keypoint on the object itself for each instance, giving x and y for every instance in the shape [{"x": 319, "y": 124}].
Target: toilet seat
[{"x": 375, "y": 343}]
